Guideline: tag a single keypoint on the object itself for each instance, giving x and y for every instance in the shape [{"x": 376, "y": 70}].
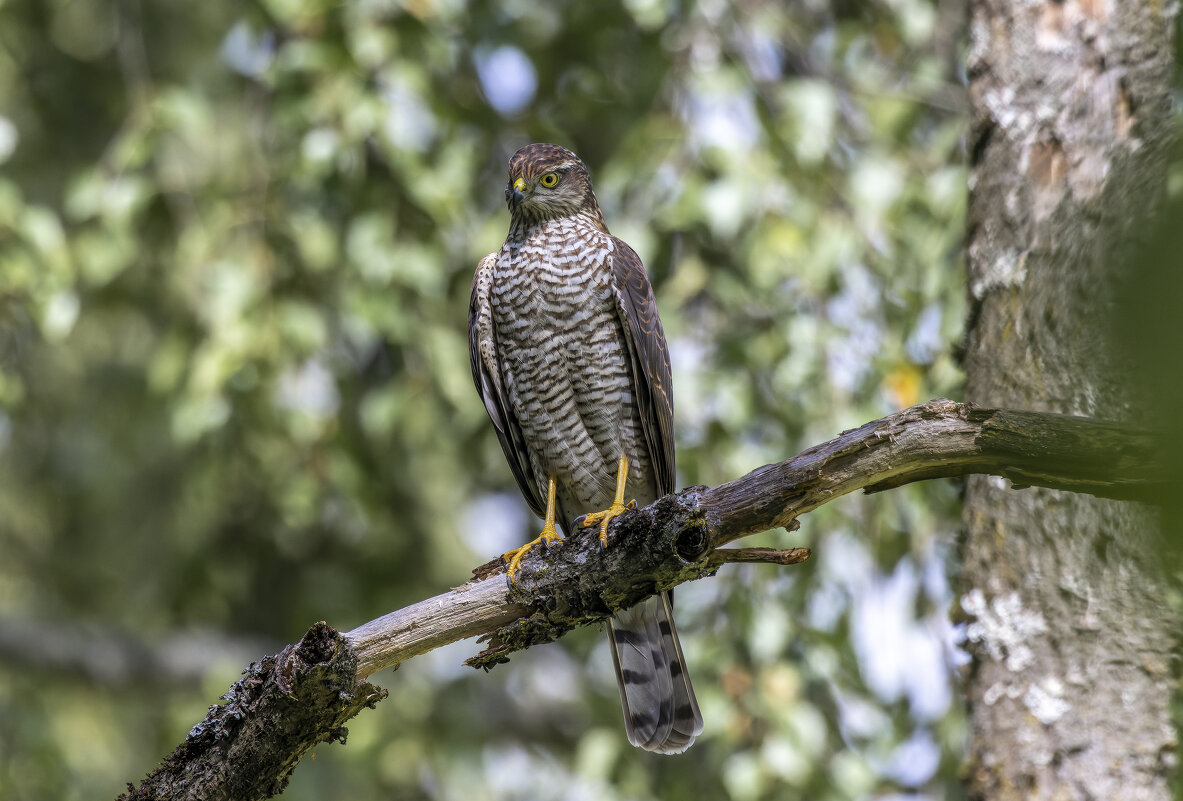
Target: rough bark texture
[
  {"x": 1072, "y": 639},
  {"x": 246, "y": 748},
  {"x": 283, "y": 706},
  {"x": 677, "y": 538}
]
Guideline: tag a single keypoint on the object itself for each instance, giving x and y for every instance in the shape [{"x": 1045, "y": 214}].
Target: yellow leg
[
  {"x": 513, "y": 559},
  {"x": 618, "y": 506}
]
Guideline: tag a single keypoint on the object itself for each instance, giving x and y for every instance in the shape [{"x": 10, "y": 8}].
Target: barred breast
[{"x": 566, "y": 366}]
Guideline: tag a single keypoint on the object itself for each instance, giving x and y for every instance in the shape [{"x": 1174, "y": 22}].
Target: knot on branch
[
  {"x": 692, "y": 542},
  {"x": 317, "y": 646}
]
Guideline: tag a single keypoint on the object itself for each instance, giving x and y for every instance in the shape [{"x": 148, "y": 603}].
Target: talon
[
  {"x": 513, "y": 559},
  {"x": 604, "y": 518},
  {"x": 618, "y": 506}
]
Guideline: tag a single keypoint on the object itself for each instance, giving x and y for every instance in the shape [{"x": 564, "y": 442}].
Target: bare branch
[
  {"x": 767, "y": 556},
  {"x": 309, "y": 690},
  {"x": 674, "y": 539}
]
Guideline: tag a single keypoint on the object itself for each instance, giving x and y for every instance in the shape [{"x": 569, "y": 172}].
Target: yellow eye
[{"x": 549, "y": 180}]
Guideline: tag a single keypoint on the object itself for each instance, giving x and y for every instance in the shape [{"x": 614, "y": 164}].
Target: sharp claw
[
  {"x": 513, "y": 559},
  {"x": 605, "y": 517}
]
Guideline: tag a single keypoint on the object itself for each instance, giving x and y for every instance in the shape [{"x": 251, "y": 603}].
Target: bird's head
[{"x": 548, "y": 181}]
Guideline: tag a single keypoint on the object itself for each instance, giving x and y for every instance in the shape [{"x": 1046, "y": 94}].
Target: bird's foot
[
  {"x": 605, "y": 517},
  {"x": 513, "y": 559}
]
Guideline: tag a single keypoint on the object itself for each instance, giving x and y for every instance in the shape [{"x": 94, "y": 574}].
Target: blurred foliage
[{"x": 236, "y": 241}]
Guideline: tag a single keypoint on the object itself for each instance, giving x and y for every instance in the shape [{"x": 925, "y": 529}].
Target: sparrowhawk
[{"x": 569, "y": 356}]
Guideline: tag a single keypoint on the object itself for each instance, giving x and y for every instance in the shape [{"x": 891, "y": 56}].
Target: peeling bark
[
  {"x": 283, "y": 707},
  {"x": 1072, "y": 638},
  {"x": 285, "y": 704},
  {"x": 676, "y": 538}
]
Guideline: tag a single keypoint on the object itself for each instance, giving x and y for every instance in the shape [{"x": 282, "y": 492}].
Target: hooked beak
[{"x": 515, "y": 193}]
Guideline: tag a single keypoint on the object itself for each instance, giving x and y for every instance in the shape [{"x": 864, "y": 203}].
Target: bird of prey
[{"x": 570, "y": 359}]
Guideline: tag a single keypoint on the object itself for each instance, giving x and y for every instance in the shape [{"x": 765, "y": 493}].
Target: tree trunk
[{"x": 1070, "y": 632}]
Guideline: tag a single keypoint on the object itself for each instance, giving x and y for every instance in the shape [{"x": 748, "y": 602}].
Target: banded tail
[{"x": 660, "y": 710}]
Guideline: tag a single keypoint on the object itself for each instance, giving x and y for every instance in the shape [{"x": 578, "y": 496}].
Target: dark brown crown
[{"x": 540, "y": 157}]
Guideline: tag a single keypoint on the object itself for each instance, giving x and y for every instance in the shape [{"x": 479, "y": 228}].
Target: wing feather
[
  {"x": 486, "y": 374},
  {"x": 651, "y": 360}
]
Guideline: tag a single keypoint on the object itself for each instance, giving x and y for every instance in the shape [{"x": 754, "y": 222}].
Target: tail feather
[{"x": 660, "y": 710}]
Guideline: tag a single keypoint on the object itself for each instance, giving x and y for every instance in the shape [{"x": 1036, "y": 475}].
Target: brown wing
[
  {"x": 651, "y": 360},
  {"x": 486, "y": 374}
]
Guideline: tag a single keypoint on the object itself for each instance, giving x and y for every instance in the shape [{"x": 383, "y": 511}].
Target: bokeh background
[{"x": 236, "y": 245}]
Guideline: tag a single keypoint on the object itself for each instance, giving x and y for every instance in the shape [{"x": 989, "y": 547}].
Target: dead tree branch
[{"x": 289, "y": 702}]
